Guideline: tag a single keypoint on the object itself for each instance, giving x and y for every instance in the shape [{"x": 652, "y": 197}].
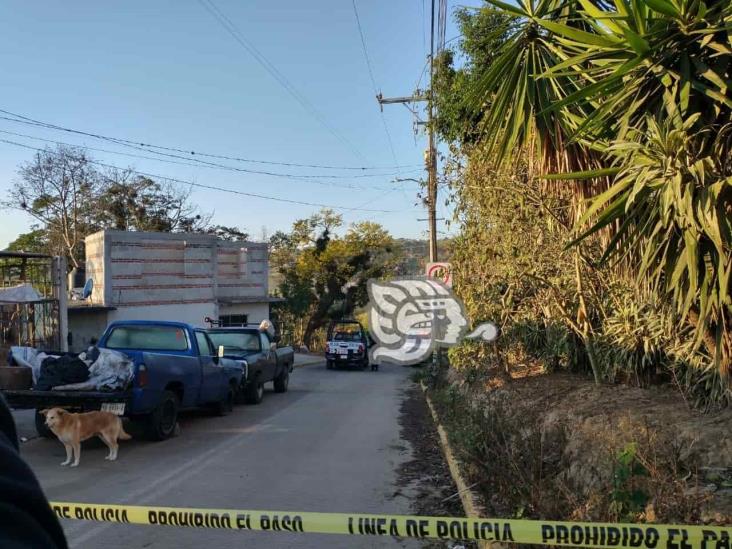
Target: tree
[
  {"x": 483, "y": 33},
  {"x": 35, "y": 241},
  {"x": 131, "y": 202},
  {"x": 324, "y": 275},
  {"x": 230, "y": 234},
  {"x": 616, "y": 115},
  {"x": 58, "y": 189},
  {"x": 69, "y": 197},
  {"x": 631, "y": 102}
]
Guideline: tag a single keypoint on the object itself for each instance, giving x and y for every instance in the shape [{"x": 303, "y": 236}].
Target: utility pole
[
  {"x": 430, "y": 159},
  {"x": 430, "y": 155}
]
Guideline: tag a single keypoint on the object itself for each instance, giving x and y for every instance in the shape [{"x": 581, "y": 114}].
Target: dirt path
[{"x": 425, "y": 478}]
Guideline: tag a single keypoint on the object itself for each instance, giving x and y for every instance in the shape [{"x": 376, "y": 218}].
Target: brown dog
[{"x": 72, "y": 429}]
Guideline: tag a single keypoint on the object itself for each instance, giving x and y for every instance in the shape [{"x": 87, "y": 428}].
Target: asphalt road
[{"x": 329, "y": 444}]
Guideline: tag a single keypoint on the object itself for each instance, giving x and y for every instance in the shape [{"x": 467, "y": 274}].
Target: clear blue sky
[{"x": 166, "y": 72}]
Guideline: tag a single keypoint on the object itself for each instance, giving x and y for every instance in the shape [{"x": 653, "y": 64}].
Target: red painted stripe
[
  {"x": 160, "y": 245},
  {"x": 162, "y": 287},
  {"x": 140, "y": 276},
  {"x": 150, "y": 260},
  {"x": 149, "y": 303}
]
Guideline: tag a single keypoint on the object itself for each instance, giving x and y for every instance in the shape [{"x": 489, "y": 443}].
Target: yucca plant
[
  {"x": 629, "y": 101},
  {"x": 673, "y": 200}
]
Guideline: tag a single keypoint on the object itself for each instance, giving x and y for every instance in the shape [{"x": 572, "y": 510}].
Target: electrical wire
[
  {"x": 156, "y": 159},
  {"x": 441, "y": 25},
  {"x": 373, "y": 80},
  {"x": 199, "y": 185},
  {"x": 233, "y": 30},
  {"x": 155, "y": 149}
]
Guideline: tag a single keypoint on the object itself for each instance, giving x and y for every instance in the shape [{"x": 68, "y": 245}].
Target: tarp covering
[
  {"x": 111, "y": 371},
  {"x": 61, "y": 371},
  {"x": 22, "y": 293},
  {"x": 108, "y": 370},
  {"x": 30, "y": 358}
]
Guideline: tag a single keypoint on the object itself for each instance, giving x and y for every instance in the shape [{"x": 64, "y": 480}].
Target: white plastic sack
[
  {"x": 266, "y": 326},
  {"x": 112, "y": 371},
  {"x": 30, "y": 358}
]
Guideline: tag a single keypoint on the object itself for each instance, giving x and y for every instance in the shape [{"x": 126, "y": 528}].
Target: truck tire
[
  {"x": 282, "y": 381},
  {"x": 41, "y": 427},
  {"x": 254, "y": 393},
  {"x": 226, "y": 405},
  {"x": 329, "y": 364},
  {"x": 161, "y": 423}
]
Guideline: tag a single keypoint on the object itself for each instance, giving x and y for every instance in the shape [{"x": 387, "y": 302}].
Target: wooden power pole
[
  {"x": 430, "y": 156},
  {"x": 430, "y": 160}
]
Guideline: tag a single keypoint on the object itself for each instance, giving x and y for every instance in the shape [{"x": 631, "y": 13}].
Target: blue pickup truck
[{"x": 176, "y": 367}]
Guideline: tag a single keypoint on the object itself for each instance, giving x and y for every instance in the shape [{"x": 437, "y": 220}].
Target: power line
[
  {"x": 156, "y": 159},
  {"x": 151, "y": 148},
  {"x": 305, "y": 178},
  {"x": 441, "y": 25},
  {"x": 200, "y": 185},
  {"x": 232, "y": 29},
  {"x": 373, "y": 80},
  {"x": 423, "y": 29}
]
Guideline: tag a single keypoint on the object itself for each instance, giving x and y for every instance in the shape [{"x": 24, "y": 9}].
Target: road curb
[{"x": 469, "y": 501}]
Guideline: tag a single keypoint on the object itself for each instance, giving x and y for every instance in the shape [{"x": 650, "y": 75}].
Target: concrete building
[{"x": 169, "y": 276}]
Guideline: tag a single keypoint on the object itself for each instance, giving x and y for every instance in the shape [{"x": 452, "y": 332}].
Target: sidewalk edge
[{"x": 467, "y": 498}]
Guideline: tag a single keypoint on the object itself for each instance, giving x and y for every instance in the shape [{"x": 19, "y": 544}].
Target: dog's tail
[{"x": 123, "y": 435}]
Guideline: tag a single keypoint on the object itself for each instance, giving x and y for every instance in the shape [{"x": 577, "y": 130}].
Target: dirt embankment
[{"x": 557, "y": 446}]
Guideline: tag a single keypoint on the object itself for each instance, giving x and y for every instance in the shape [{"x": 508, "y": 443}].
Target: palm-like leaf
[{"x": 641, "y": 88}]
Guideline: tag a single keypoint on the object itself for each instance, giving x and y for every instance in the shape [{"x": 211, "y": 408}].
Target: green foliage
[
  {"x": 324, "y": 275},
  {"x": 618, "y": 115},
  {"x": 627, "y": 498},
  {"x": 133, "y": 203},
  {"x": 482, "y": 33},
  {"x": 35, "y": 241},
  {"x": 672, "y": 200}
]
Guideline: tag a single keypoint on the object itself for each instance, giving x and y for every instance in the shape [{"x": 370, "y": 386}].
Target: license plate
[
  {"x": 116, "y": 408},
  {"x": 342, "y": 351}
]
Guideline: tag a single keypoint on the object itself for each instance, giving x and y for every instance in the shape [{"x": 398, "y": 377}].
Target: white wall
[
  {"x": 133, "y": 269},
  {"x": 193, "y": 313},
  {"x": 256, "y": 312},
  {"x": 176, "y": 276}
]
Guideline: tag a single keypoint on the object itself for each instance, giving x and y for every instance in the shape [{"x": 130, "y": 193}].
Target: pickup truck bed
[
  {"x": 175, "y": 367},
  {"x": 86, "y": 400}
]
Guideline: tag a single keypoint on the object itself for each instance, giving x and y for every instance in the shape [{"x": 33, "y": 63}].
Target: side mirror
[{"x": 273, "y": 346}]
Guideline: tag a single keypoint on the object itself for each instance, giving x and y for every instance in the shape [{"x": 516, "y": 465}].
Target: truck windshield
[
  {"x": 148, "y": 338},
  {"x": 236, "y": 341},
  {"x": 347, "y": 336}
]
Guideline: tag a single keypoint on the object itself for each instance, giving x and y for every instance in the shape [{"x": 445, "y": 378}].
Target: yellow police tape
[{"x": 578, "y": 534}]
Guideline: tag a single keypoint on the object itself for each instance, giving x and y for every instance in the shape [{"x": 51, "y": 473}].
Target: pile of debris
[{"x": 95, "y": 370}]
